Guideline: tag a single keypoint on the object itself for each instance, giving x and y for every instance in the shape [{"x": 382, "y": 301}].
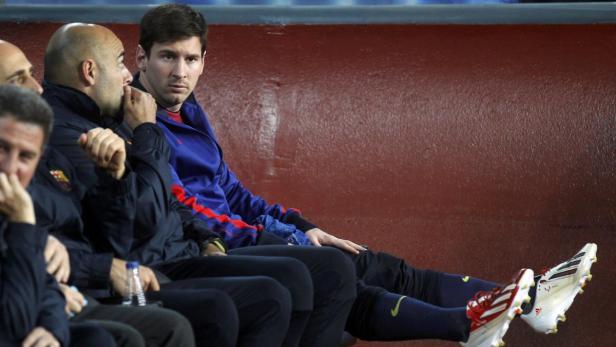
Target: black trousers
[
  {"x": 333, "y": 283},
  {"x": 262, "y": 305},
  {"x": 91, "y": 334},
  {"x": 139, "y": 326},
  {"x": 254, "y": 310},
  {"x": 320, "y": 282}
]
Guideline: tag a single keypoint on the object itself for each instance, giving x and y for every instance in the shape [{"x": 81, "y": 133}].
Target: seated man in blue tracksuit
[
  {"x": 32, "y": 311},
  {"x": 166, "y": 236},
  {"x": 170, "y": 59}
]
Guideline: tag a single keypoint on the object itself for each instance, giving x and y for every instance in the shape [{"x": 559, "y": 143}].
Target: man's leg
[
  {"x": 91, "y": 334},
  {"x": 378, "y": 315},
  {"x": 334, "y": 288},
  {"x": 262, "y": 306},
  {"x": 158, "y": 326},
  {"x": 290, "y": 273},
  {"x": 123, "y": 334},
  {"x": 396, "y": 276}
]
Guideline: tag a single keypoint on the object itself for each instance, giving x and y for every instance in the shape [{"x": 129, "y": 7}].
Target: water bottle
[{"x": 134, "y": 290}]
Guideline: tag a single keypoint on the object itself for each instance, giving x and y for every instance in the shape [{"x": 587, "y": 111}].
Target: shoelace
[{"x": 480, "y": 302}]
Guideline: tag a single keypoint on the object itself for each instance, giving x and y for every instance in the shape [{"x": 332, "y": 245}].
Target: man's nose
[
  {"x": 128, "y": 78},
  {"x": 33, "y": 85},
  {"x": 8, "y": 164},
  {"x": 180, "y": 69}
]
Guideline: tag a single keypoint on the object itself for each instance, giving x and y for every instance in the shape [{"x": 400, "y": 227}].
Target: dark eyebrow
[
  {"x": 167, "y": 51},
  {"x": 17, "y": 73}
]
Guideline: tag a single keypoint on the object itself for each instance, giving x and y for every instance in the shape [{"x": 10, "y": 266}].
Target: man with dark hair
[{"x": 395, "y": 301}]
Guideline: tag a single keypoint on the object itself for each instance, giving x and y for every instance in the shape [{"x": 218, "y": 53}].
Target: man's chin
[{"x": 175, "y": 99}]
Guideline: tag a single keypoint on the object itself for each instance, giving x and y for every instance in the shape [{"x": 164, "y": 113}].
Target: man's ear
[
  {"x": 141, "y": 58},
  {"x": 202, "y": 63},
  {"x": 88, "y": 72}
]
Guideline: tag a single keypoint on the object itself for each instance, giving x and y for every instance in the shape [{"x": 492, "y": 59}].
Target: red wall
[{"x": 472, "y": 149}]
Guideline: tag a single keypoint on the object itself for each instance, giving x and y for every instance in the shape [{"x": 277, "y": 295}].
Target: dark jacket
[
  {"x": 164, "y": 229},
  {"x": 65, "y": 209},
  {"x": 29, "y": 297}
]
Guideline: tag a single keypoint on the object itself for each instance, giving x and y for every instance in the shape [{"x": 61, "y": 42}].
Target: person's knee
[
  {"x": 279, "y": 297},
  {"x": 226, "y": 315},
  {"x": 293, "y": 275},
  {"x": 90, "y": 334},
  {"x": 339, "y": 275},
  {"x": 179, "y": 328}
]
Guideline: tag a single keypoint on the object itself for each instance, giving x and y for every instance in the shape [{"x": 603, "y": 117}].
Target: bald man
[
  {"x": 16, "y": 69},
  {"x": 86, "y": 84},
  {"x": 167, "y": 236}
]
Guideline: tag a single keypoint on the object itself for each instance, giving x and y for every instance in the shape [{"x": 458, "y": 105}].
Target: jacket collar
[{"x": 77, "y": 102}]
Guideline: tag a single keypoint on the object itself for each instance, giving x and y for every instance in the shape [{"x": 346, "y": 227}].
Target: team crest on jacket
[{"x": 61, "y": 178}]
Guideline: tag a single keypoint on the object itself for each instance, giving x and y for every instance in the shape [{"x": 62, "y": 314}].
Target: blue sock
[
  {"x": 457, "y": 290},
  {"x": 395, "y": 317}
]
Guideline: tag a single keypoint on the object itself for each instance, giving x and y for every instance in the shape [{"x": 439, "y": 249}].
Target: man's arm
[
  {"x": 234, "y": 231},
  {"x": 22, "y": 268},
  {"x": 53, "y": 317},
  {"x": 234, "y": 228},
  {"x": 248, "y": 205},
  {"x": 22, "y": 281}
]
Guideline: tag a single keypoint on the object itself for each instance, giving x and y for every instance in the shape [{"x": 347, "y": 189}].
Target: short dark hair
[
  {"x": 171, "y": 22},
  {"x": 26, "y": 106}
]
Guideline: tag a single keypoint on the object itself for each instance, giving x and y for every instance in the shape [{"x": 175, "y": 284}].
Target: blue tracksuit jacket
[{"x": 204, "y": 182}]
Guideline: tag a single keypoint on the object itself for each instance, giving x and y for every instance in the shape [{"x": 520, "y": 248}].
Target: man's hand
[
  {"x": 15, "y": 202},
  {"x": 106, "y": 149},
  {"x": 319, "y": 237},
  {"x": 139, "y": 107},
  {"x": 212, "y": 249},
  {"x": 75, "y": 301},
  {"x": 40, "y": 337},
  {"x": 57, "y": 259},
  {"x": 118, "y": 277}
]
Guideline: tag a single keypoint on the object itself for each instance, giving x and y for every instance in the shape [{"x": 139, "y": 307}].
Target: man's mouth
[{"x": 178, "y": 87}]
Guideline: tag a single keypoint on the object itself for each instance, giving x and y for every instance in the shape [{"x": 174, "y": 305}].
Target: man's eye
[
  {"x": 26, "y": 157},
  {"x": 16, "y": 80}
]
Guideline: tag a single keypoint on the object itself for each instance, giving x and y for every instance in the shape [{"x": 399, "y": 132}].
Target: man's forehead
[
  {"x": 115, "y": 45},
  {"x": 13, "y": 60},
  {"x": 189, "y": 45},
  {"x": 27, "y": 134}
]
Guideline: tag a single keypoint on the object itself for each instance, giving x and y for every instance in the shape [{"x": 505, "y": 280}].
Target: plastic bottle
[{"x": 134, "y": 290}]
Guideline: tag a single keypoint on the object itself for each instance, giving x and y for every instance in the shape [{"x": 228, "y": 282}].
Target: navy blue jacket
[
  {"x": 164, "y": 229},
  {"x": 204, "y": 182},
  {"x": 29, "y": 297},
  {"x": 65, "y": 209}
]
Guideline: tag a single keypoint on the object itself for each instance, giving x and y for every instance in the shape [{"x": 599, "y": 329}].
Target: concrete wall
[{"x": 470, "y": 149}]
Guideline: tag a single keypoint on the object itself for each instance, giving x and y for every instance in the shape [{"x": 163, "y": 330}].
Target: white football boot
[
  {"x": 492, "y": 312},
  {"x": 556, "y": 289}
]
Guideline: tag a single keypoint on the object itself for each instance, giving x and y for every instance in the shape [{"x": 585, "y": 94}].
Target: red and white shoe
[
  {"x": 556, "y": 289},
  {"x": 492, "y": 312}
]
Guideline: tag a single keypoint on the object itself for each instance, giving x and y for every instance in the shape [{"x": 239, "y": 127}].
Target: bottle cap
[{"x": 132, "y": 264}]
